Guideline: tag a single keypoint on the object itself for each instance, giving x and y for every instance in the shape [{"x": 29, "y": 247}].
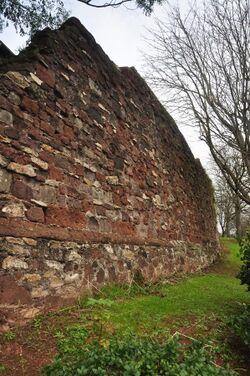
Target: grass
[
  {"x": 199, "y": 295},
  {"x": 215, "y": 294},
  {"x": 233, "y": 257}
]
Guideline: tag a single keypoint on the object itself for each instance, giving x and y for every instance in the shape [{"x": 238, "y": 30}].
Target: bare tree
[
  {"x": 245, "y": 222},
  {"x": 224, "y": 206},
  {"x": 232, "y": 212},
  {"x": 201, "y": 62}
]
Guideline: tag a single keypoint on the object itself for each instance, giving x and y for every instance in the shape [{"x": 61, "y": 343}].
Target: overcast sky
[{"x": 120, "y": 33}]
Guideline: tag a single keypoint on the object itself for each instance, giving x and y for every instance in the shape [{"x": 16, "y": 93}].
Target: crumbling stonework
[{"x": 96, "y": 181}]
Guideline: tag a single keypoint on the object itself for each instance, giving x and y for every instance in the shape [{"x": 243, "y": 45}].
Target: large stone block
[
  {"x": 22, "y": 169},
  {"x": 12, "y": 262},
  {"x": 5, "y": 181},
  {"x": 6, "y": 117}
]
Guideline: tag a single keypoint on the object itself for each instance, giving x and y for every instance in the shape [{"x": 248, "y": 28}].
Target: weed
[
  {"x": 37, "y": 323},
  {"x": 10, "y": 335},
  {"x": 138, "y": 356},
  {"x": 72, "y": 339},
  {"x": 2, "y": 368}
]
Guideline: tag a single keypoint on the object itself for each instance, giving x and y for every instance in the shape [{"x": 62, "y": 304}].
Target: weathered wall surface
[{"x": 96, "y": 180}]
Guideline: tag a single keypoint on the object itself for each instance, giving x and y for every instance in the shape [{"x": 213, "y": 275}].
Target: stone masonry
[{"x": 96, "y": 181}]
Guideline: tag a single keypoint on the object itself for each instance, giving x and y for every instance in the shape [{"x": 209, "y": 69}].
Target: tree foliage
[
  {"x": 244, "y": 274},
  {"x": 145, "y": 5},
  {"x": 29, "y": 16},
  {"x": 201, "y": 62}
]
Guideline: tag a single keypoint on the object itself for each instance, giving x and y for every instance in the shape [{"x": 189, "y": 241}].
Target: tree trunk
[{"x": 237, "y": 217}]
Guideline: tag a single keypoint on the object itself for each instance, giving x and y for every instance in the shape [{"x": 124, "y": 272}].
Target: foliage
[
  {"x": 10, "y": 335},
  {"x": 70, "y": 341},
  {"x": 145, "y": 5},
  {"x": 29, "y": 16},
  {"x": 2, "y": 368},
  {"x": 244, "y": 274},
  {"x": 240, "y": 324},
  {"x": 137, "y": 356}
]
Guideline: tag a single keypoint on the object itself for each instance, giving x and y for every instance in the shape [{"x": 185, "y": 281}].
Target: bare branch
[{"x": 200, "y": 61}]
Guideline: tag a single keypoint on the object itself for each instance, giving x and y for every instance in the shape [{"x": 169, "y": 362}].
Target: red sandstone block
[
  {"x": 120, "y": 199},
  {"x": 63, "y": 139},
  {"x": 35, "y": 214},
  {"x": 17, "y": 112},
  {"x": 46, "y": 75},
  {"x": 11, "y": 292},
  {"x": 47, "y": 127},
  {"x": 43, "y": 115},
  {"x": 65, "y": 217},
  {"x": 36, "y": 134},
  {"x": 55, "y": 173},
  {"x": 47, "y": 157},
  {"x": 68, "y": 133},
  {"x": 40, "y": 177},
  {"x": 85, "y": 205},
  {"x": 78, "y": 169},
  {"x": 14, "y": 155},
  {"x": 51, "y": 112},
  {"x": 27, "y": 141},
  {"x": 21, "y": 190},
  {"x": 12, "y": 133},
  {"x": 123, "y": 228},
  {"x": 30, "y": 105},
  {"x": 100, "y": 177}
]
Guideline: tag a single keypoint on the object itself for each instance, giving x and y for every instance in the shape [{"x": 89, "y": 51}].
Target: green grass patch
[
  {"x": 200, "y": 295},
  {"x": 233, "y": 257}
]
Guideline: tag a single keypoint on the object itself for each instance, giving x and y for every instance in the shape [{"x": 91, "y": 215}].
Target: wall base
[{"x": 42, "y": 273}]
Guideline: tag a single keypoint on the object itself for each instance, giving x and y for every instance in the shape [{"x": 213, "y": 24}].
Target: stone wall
[{"x": 96, "y": 181}]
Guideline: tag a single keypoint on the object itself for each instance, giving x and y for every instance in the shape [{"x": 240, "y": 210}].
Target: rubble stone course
[{"x": 96, "y": 181}]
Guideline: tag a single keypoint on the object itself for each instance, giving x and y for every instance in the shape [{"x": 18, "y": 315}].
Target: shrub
[
  {"x": 135, "y": 356},
  {"x": 244, "y": 274},
  {"x": 241, "y": 325}
]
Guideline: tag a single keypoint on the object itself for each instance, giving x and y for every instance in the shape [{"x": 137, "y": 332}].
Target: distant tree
[
  {"x": 200, "y": 60},
  {"x": 29, "y": 16},
  {"x": 224, "y": 201},
  {"x": 232, "y": 212}
]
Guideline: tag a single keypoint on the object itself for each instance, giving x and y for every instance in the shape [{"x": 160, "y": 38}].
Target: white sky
[{"x": 120, "y": 33}]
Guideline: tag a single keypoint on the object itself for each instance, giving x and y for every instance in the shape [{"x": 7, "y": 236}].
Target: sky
[{"x": 121, "y": 33}]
